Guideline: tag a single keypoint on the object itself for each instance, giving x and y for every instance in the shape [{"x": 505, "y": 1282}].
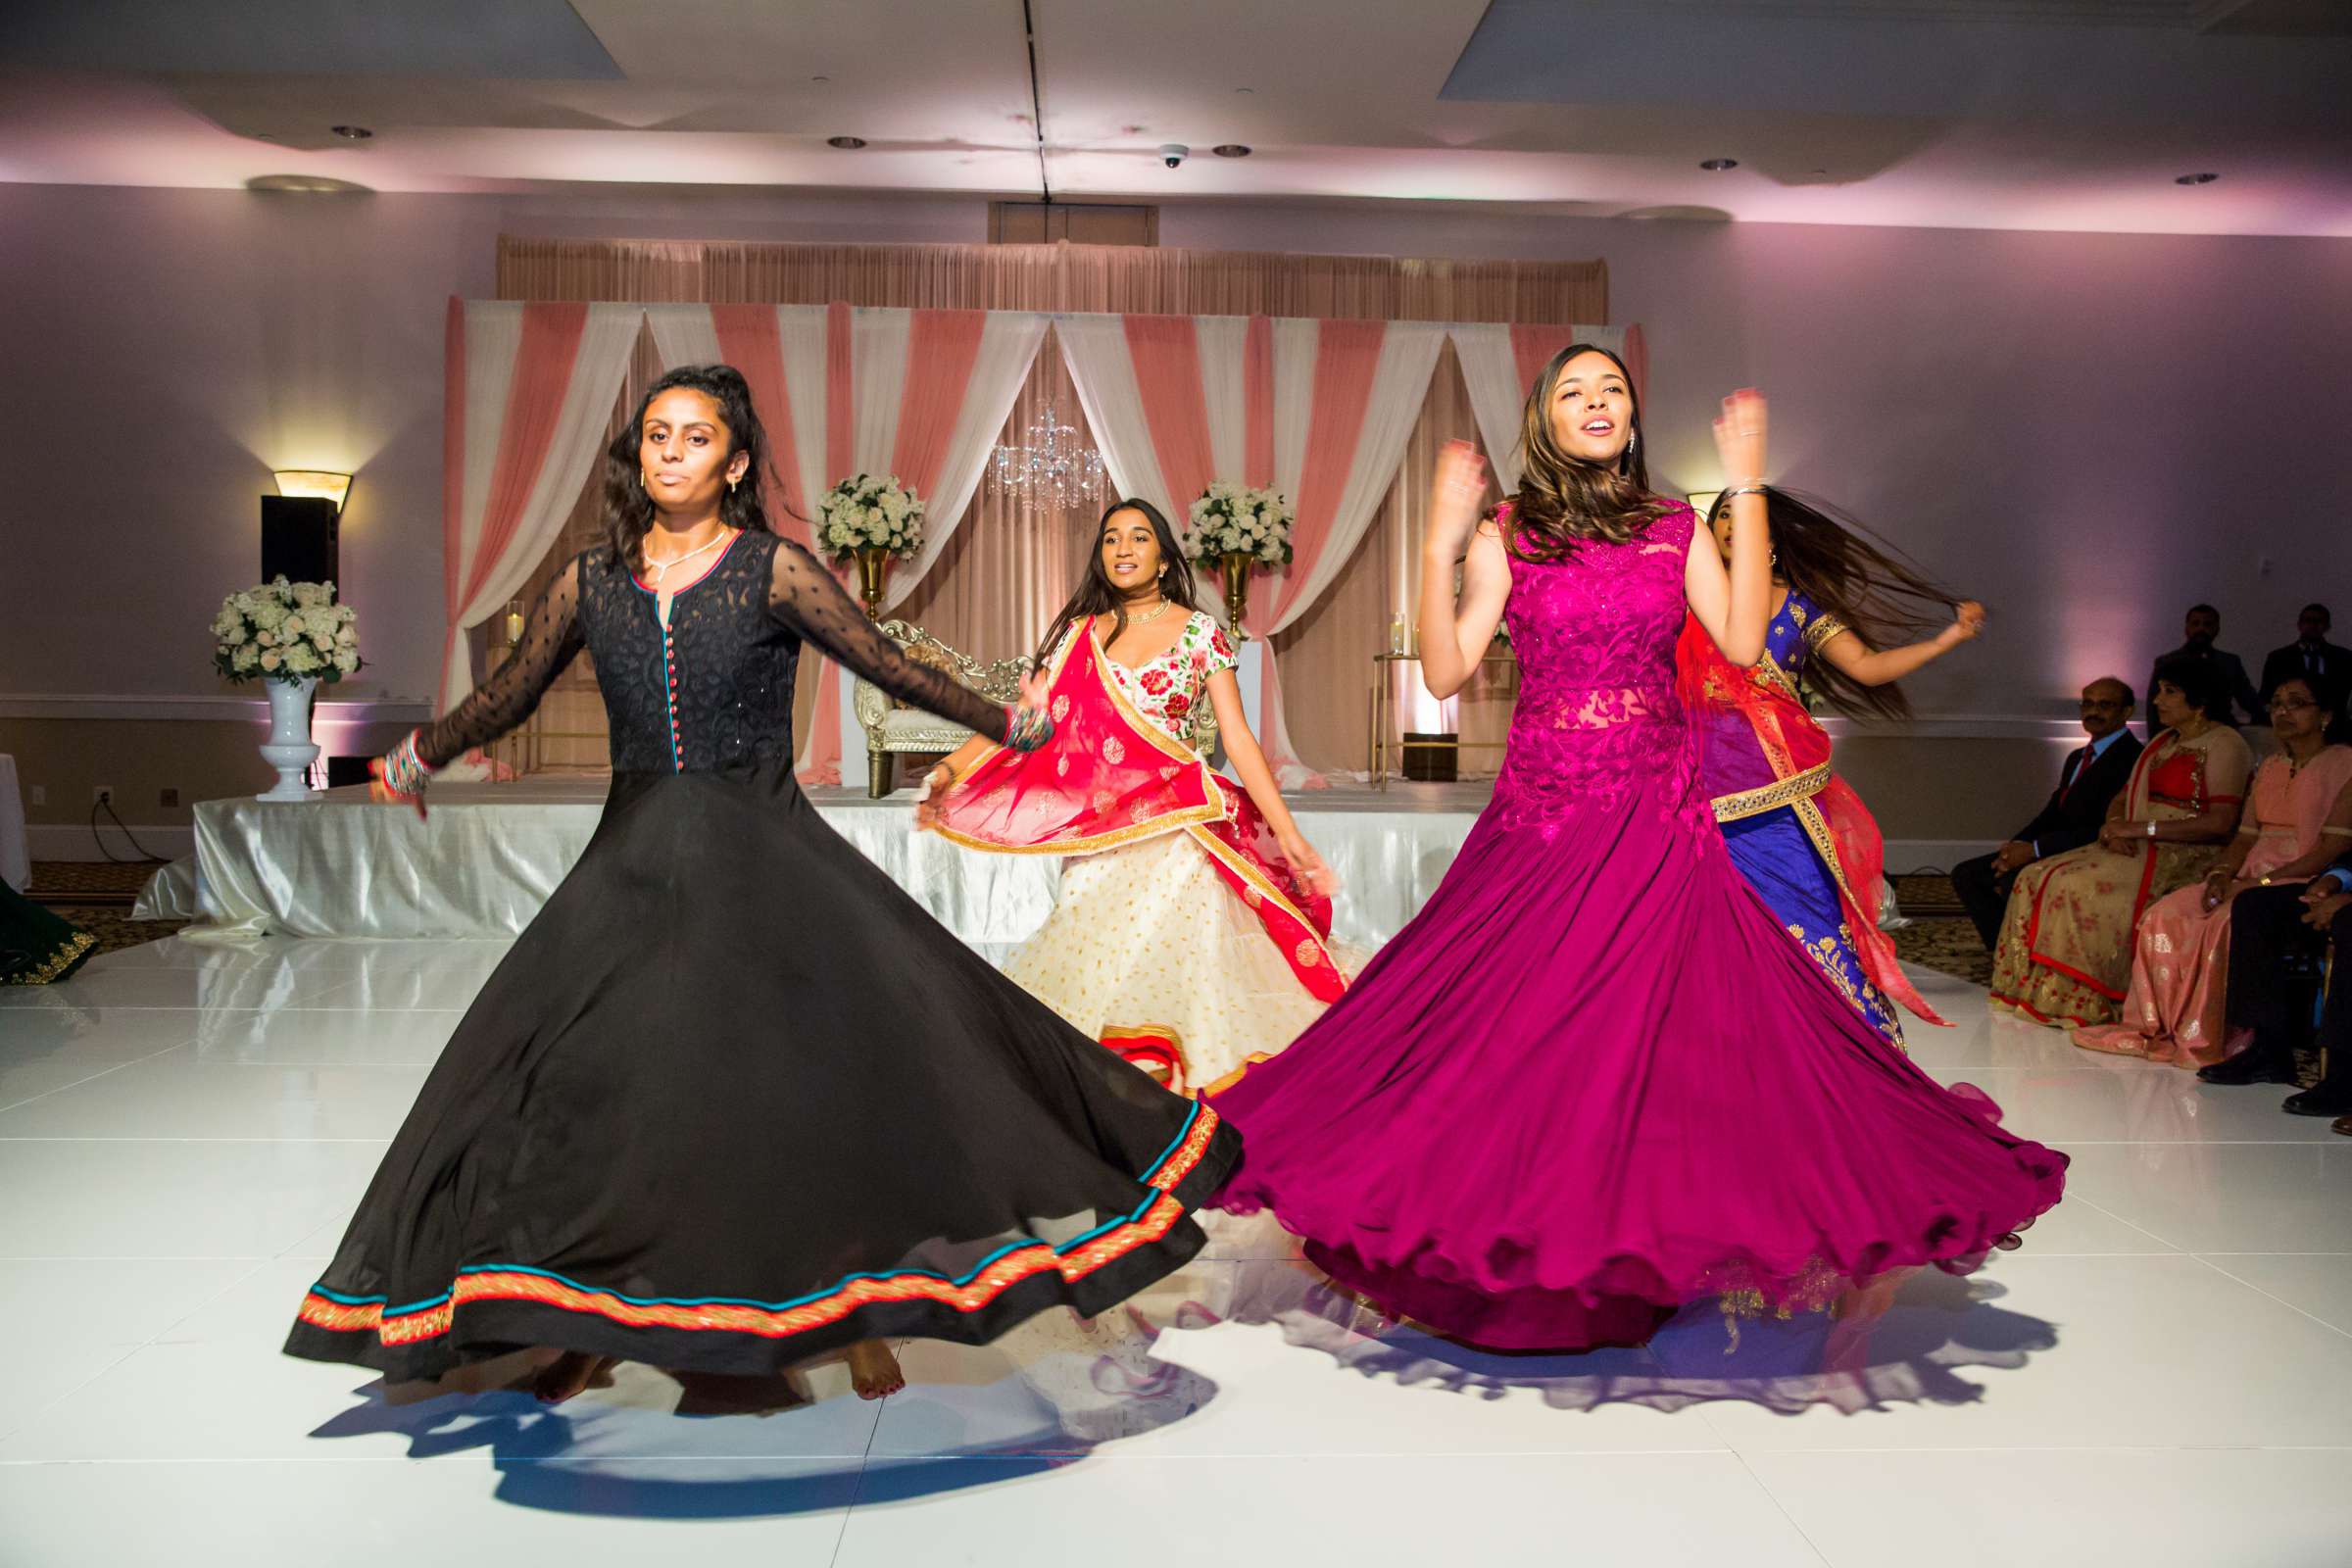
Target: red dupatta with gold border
[
  {"x": 1111, "y": 777},
  {"x": 1831, "y": 814}
]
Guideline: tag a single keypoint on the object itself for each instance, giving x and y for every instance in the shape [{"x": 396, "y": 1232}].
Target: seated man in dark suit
[
  {"x": 2314, "y": 658},
  {"x": 2198, "y": 629},
  {"x": 2269, "y": 928},
  {"x": 2070, "y": 818}
]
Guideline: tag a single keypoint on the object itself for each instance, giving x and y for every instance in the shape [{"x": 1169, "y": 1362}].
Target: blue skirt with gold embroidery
[{"x": 1779, "y": 862}]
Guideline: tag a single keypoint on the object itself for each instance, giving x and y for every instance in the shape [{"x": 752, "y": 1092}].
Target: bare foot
[
  {"x": 873, "y": 1371},
  {"x": 570, "y": 1373}
]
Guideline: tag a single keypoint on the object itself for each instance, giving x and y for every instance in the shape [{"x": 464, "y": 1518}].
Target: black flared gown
[{"x": 733, "y": 1099}]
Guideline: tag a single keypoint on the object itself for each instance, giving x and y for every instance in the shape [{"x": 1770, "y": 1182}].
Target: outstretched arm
[
  {"x": 805, "y": 597},
  {"x": 551, "y": 638},
  {"x": 1872, "y": 667}
]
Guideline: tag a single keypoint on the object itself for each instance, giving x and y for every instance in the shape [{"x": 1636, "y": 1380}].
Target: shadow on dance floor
[{"x": 1055, "y": 1390}]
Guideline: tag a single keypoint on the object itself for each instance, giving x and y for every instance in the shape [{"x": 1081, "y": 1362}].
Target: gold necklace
[{"x": 1146, "y": 618}]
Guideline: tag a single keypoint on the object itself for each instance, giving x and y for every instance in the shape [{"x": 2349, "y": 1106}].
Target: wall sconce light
[
  {"x": 1702, "y": 502},
  {"x": 314, "y": 482}
]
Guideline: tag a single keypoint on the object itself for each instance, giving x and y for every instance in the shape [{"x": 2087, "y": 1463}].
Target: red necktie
[{"x": 2081, "y": 760}]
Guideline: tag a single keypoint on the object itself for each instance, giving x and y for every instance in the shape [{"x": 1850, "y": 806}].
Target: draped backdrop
[{"x": 1332, "y": 378}]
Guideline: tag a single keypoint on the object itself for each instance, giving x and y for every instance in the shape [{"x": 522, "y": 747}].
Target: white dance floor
[{"x": 2160, "y": 1376}]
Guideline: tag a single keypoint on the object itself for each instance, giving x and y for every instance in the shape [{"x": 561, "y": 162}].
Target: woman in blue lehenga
[{"x": 1799, "y": 834}]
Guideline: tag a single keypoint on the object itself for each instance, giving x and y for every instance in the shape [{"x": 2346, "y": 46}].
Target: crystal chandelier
[{"x": 1050, "y": 467}]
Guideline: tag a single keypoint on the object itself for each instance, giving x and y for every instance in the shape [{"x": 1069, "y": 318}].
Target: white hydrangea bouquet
[
  {"x": 1233, "y": 520},
  {"x": 285, "y": 631},
  {"x": 867, "y": 513}
]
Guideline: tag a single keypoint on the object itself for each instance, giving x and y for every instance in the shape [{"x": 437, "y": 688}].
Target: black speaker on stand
[{"x": 298, "y": 538}]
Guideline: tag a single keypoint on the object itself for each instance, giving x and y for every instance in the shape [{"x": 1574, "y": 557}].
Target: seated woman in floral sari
[
  {"x": 1800, "y": 835},
  {"x": 2298, "y": 815},
  {"x": 1191, "y": 932},
  {"x": 2065, "y": 956}
]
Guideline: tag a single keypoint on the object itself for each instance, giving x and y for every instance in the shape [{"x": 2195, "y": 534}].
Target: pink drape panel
[
  {"x": 748, "y": 341},
  {"x": 940, "y": 350},
  {"x": 1346, "y": 355},
  {"x": 1167, "y": 374},
  {"x": 551, "y": 343}
]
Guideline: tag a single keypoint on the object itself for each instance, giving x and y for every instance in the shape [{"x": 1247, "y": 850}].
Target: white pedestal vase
[{"x": 289, "y": 748}]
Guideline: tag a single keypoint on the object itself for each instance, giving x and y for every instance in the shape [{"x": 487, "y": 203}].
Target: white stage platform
[
  {"x": 489, "y": 855},
  {"x": 185, "y": 1128}
]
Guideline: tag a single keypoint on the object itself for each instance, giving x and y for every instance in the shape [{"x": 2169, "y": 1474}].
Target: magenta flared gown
[{"x": 1593, "y": 1080}]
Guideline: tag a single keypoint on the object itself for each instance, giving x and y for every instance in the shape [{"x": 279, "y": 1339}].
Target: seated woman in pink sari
[
  {"x": 2297, "y": 815},
  {"x": 1191, "y": 930}
]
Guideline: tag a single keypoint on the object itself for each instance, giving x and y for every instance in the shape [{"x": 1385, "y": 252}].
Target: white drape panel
[
  {"x": 683, "y": 335},
  {"x": 1399, "y": 386},
  {"x": 1496, "y": 369},
  {"x": 1095, "y": 348},
  {"x": 494, "y": 342},
  {"x": 1008, "y": 345}
]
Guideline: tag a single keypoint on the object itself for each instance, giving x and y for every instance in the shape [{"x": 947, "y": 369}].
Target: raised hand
[
  {"x": 1740, "y": 438},
  {"x": 1456, "y": 496},
  {"x": 1968, "y": 620}
]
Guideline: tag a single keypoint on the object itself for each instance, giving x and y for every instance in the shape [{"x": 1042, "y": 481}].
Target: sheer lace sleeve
[
  {"x": 804, "y": 596},
  {"x": 550, "y": 639}
]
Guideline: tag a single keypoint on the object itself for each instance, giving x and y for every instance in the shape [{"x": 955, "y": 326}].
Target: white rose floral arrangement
[
  {"x": 287, "y": 631},
  {"x": 1235, "y": 520},
  {"x": 866, "y": 513}
]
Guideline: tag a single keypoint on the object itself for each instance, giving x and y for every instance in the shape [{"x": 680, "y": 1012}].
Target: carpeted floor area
[{"x": 97, "y": 896}]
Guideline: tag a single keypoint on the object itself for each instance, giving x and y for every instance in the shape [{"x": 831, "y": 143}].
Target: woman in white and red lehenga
[{"x": 1191, "y": 930}]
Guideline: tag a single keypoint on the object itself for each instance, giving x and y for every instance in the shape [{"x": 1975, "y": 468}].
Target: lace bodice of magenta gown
[
  {"x": 712, "y": 689},
  {"x": 1597, "y": 717}
]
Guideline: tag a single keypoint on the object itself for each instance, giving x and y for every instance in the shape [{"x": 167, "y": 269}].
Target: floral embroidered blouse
[{"x": 1167, "y": 689}]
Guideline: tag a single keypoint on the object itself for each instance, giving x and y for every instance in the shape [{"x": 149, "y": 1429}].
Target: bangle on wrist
[{"x": 1752, "y": 487}]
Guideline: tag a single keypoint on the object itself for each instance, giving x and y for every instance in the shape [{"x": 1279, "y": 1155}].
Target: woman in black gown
[{"x": 733, "y": 1100}]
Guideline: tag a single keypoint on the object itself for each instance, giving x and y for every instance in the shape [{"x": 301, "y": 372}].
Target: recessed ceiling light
[
  {"x": 848, "y": 144},
  {"x": 1231, "y": 149},
  {"x": 1716, "y": 165},
  {"x": 820, "y": 79},
  {"x": 1245, "y": 89},
  {"x": 2194, "y": 179},
  {"x": 352, "y": 132}
]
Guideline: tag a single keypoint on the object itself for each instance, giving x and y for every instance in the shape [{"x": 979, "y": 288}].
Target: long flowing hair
[
  {"x": 1562, "y": 500},
  {"x": 1098, "y": 595},
  {"x": 629, "y": 511},
  {"x": 1871, "y": 586}
]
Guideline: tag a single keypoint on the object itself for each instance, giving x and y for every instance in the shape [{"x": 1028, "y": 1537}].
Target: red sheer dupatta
[
  {"x": 1111, "y": 777},
  {"x": 1833, "y": 815}
]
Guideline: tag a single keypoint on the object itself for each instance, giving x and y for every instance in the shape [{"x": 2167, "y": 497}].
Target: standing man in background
[
  {"x": 2314, "y": 658},
  {"x": 2198, "y": 630}
]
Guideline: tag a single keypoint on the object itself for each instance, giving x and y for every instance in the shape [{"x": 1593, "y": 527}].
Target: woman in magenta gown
[{"x": 1593, "y": 1080}]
